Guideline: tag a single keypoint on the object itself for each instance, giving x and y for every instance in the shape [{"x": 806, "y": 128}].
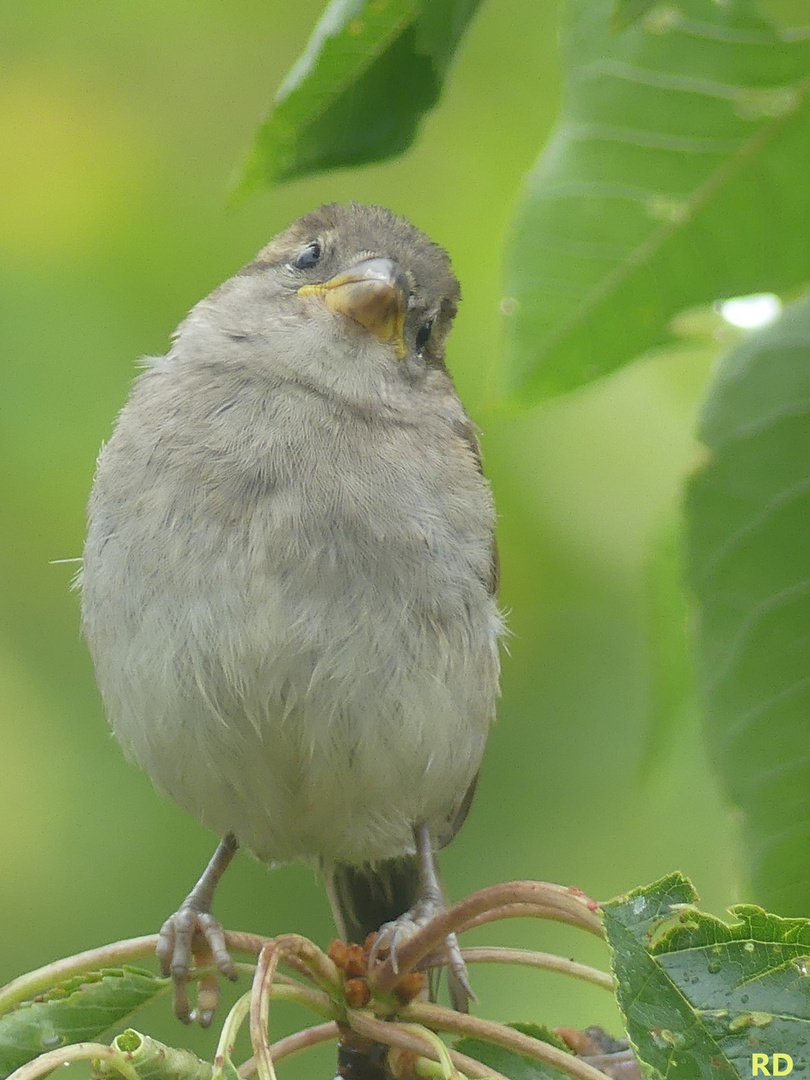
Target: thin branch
[
  {"x": 260, "y": 1010},
  {"x": 527, "y": 911},
  {"x": 35, "y": 982},
  {"x": 440, "y": 1019},
  {"x": 320, "y": 969},
  {"x": 393, "y": 1034},
  {"x": 227, "y": 1037},
  {"x": 448, "y": 1068},
  {"x": 293, "y": 1044},
  {"x": 316, "y": 1000},
  {"x": 83, "y": 1051},
  {"x": 538, "y": 898},
  {"x": 318, "y": 966},
  {"x": 547, "y": 961}
]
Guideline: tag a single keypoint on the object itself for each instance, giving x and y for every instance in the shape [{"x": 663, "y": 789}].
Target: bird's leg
[
  {"x": 176, "y": 941},
  {"x": 429, "y": 903}
]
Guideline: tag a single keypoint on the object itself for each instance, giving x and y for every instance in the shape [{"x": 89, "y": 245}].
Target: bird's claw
[
  {"x": 458, "y": 978},
  {"x": 393, "y": 935},
  {"x": 192, "y": 937}
]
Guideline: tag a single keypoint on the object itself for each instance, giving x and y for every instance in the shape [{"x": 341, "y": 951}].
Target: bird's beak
[{"x": 374, "y": 293}]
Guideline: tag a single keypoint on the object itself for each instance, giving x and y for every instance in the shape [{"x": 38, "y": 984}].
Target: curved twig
[
  {"x": 392, "y": 1034},
  {"x": 260, "y": 1009},
  {"x": 317, "y": 965},
  {"x": 527, "y": 911},
  {"x": 538, "y": 898},
  {"x": 35, "y": 982},
  {"x": 316, "y": 1000},
  {"x": 449, "y": 1069},
  {"x": 440, "y": 1019},
  {"x": 320, "y": 969},
  {"x": 83, "y": 1051},
  {"x": 524, "y": 957},
  {"x": 293, "y": 1044},
  {"x": 227, "y": 1036}
]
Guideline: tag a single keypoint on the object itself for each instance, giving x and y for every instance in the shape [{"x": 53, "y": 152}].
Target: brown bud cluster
[
  {"x": 337, "y": 953},
  {"x": 353, "y": 961},
  {"x": 356, "y": 962},
  {"x": 410, "y": 986},
  {"x": 357, "y": 993}
]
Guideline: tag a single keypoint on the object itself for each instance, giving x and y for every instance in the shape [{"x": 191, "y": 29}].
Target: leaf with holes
[
  {"x": 673, "y": 178},
  {"x": 701, "y": 996},
  {"x": 370, "y": 71},
  {"x": 77, "y": 1010},
  {"x": 748, "y": 511}
]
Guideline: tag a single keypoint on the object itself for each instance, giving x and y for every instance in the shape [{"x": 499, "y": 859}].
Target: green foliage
[
  {"x": 748, "y": 510},
  {"x": 669, "y": 181},
  {"x": 700, "y": 996},
  {"x": 77, "y": 1010},
  {"x": 371, "y": 69}
]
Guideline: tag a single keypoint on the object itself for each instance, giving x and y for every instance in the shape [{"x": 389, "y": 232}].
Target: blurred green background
[{"x": 122, "y": 126}]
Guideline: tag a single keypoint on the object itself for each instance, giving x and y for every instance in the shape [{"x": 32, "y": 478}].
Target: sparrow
[{"x": 290, "y": 573}]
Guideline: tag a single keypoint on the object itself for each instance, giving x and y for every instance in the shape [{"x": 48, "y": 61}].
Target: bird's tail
[{"x": 365, "y": 897}]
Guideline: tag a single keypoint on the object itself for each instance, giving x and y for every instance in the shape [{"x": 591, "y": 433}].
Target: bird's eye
[
  {"x": 308, "y": 257},
  {"x": 423, "y": 333}
]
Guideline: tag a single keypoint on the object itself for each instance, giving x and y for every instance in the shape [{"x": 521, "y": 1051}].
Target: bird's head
[{"x": 350, "y": 291}]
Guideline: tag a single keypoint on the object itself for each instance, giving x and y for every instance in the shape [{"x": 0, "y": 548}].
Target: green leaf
[
  {"x": 700, "y": 996},
  {"x": 371, "y": 69},
  {"x": 153, "y": 1060},
  {"x": 513, "y": 1065},
  {"x": 669, "y": 181},
  {"x": 749, "y": 547},
  {"x": 78, "y": 1010}
]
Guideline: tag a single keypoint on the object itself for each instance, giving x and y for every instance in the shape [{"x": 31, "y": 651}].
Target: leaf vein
[
  {"x": 712, "y": 32},
  {"x": 773, "y": 505},
  {"x": 756, "y": 615},
  {"x": 741, "y": 157},
  {"x": 668, "y": 80},
  {"x": 598, "y": 189},
  {"x": 649, "y": 140},
  {"x": 746, "y": 719},
  {"x": 763, "y": 422}
]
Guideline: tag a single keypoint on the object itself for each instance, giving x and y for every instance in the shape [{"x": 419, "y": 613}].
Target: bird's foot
[
  {"x": 194, "y": 936},
  {"x": 393, "y": 935}
]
